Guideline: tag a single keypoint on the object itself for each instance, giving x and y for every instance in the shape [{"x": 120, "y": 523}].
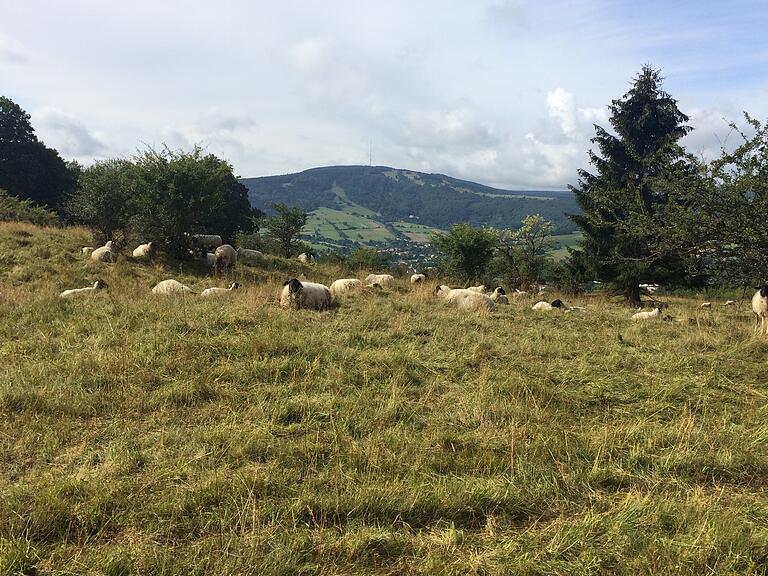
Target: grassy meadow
[{"x": 391, "y": 435}]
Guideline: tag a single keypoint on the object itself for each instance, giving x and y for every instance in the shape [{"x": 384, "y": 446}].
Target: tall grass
[{"x": 390, "y": 435}]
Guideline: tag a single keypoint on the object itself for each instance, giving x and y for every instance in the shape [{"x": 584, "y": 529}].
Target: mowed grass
[{"x": 390, "y": 435}]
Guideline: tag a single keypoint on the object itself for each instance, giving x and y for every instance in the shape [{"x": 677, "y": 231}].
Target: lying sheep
[
  {"x": 89, "y": 291},
  {"x": 305, "y": 295},
  {"x": 383, "y": 280},
  {"x": 499, "y": 296},
  {"x": 730, "y": 303},
  {"x": 167, "y": 287},
  {"x": 206, "y": 242},
  {"x": 143, "y": 251},
  {"x": 250, "y": 257},
  {"x": 760, "y": 310},
  {"x": 482, "y": 289},
  {"x": 705, "y": 305},
  {"x": 105, "y": 253},
  {"x": 465, "y": 299},
  {"x": 344, "y": 285},
  {"x": 87, "y": 250},
  {"x": 519, "y": 293},
  {"x": 226, "y": 257},
  {"x": 418, "y": 278},
  {"x": 549, "y": 305},
  {"x": 208, "y": 292},
  {"x": 655, "y": 313},
  {"x": 305, "y": 258}
]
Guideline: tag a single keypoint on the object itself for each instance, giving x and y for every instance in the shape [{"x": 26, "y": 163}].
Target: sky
[{"x": 502, "y": 92}]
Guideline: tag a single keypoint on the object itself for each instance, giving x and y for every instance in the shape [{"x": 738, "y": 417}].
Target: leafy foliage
[
  {"x": 368, "y": 259},
  {"x": 28, "y": 169},
  {"x": 621, "y": 199},
  {"x": 14, "y": 209},
  {"x": 466, "y": 250},
  {"x": 523, "y": 250},
  {"x": 285, "y": 227}
]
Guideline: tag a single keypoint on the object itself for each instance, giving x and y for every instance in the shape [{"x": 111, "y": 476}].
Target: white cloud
[
  {"x": 563, "y": 109},
  {"x": 11, "y": 51},
  {"x": 310, "y": 54},
  {"x": 68, "y": 135}
]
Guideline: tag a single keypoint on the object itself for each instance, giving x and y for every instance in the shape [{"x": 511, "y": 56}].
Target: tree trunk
[{"x": 632, "y": 294}]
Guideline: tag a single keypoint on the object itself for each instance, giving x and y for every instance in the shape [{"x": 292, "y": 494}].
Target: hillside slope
[{"x": 378, "y": 204}]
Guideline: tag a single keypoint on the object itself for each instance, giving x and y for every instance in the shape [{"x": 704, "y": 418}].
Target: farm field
[
  {"x": 340, "y": 224},
  {"x": 415, "y": 232},
  {"x": 390, "y": 435},
  {"x": 561, "y": 243}
]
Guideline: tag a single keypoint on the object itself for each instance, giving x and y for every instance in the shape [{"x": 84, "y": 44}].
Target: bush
[{"x": 14, "y": 209}]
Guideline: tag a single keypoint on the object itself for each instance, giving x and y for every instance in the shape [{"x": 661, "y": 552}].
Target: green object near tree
[
  {"x": 28, "y": 169},
  {"x": 523, "y": 250},
  {"x": 285, "y": 227},
  {"x": 14, "y": 209},
  {"x": 624, "y": 194},
  {"x": 466, "y": 251},
  {"x": 368, "y": 259}
]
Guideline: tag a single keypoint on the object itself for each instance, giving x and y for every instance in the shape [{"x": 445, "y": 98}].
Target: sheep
[
  {"x": 206, "y": 242},
  {"x": 760, "y": 310},
  {"x": 481, "y": 289},
  {"x": 251, "y": 257},
  {"x": 305, "y": 258},
  {"x": 705, "y": 305},
  {"x": 226, "y": 257},
  {"x": 167, "y": 287},
  {"x": 343, "y": 285},
  {"x": 208, "y": 292},
  {"x": 87, "y": 250},
  {"x": 383, "y": 280},
  {"x": 518, "y": 294},
  {"x": 730, "y": 303},
  {"x": 465, "y": 299},
  {"x": 499, "y": 296},
  {"x": 549, "y": 305},
  {"x": 105, "y": 253},
  {"x": 89, "y": 291},
  {"x": 655, "y": 313},
  {"x": 309, "y": 295},
  {"x": 418, "y": 278},
  {"x": 144, "y": 250}
]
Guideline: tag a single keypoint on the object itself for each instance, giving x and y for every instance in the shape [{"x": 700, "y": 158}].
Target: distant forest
[{"x": 433, "y": 199}]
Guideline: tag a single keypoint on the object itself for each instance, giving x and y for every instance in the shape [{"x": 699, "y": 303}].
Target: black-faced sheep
[
  {"x": 89, "y": 291},
  {"x": 760, "y": 310},
  {"x": 499, "y": 296},
  {"x": 308, "y": 295},
  {"x": 418, "y": 278},
  {"x": 209, "y": 292}
]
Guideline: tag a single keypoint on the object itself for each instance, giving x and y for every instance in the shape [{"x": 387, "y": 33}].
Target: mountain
[{"x": 370, "y": 204}]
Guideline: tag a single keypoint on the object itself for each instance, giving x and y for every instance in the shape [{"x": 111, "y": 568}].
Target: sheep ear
[{"x": 286, "y": 283}]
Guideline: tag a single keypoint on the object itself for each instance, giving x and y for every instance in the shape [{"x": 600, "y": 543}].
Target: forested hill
[{"x": 394, "y": 195}]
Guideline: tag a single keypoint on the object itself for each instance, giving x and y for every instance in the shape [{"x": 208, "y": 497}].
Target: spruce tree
[{"x": 624, "y": 195}]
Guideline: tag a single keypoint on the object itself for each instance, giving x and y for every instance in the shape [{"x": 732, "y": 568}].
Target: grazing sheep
[
  {"x": 208, "y": 292},
  {"x": 167, "y": 287},
  {"x": 730, "y": 303},
  {"x": 144, "y": 250},
  {"x": 344, "y": 285},
  {"x": 518, "y": 294},
  {"x": 206, "y": 242},
  {"x": 90, "y": 291},
  {"x": 309, "y": 295},
  {"x": 760, "y": 310},
  {"x": 305, "y": 258},
  {"x": 705, "y": 305},
  {"x": 655, "y": 313},
  {"x": 499, "y": 296},
  {"x": 482, "y": 289},
  {"x": 549, "y": 305},
  {"x": 250, "y": 257},
  {"x": 418, "y": 278},
  {"x": 226, "y": 257},
  {"x": 383, "y": 280},
  {"x": 105, "y": 253},
  {"x": 87, "y": 250},
  {"x": 465, "y": 299}
]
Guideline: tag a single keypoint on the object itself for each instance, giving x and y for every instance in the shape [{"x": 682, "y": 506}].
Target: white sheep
[
  {"x": 305, "y": 258},
  {"x": 250, "y": 257},
  {"x": 418, "y": 278},
  {"x": 730, "y": 303},
  {"x": 549, "y": 305},
  {"x": 105, "y": 253},
  {"x": 383, "y": 280},
  {"x": 519, "y": 293},
  {"x": 465, "y": 299},
  {"x": 760, "y": 310},
  {"x": 167, "y": 287},
  {"x": 208, "y": 292},
  {"x": 226, "y": 257},
  {"x": 144, "y": 250},
  {"x": 87, "y": 250},
  {"x": 655, "y": 313},
  {"x": 89, "y": 291},
  {"x": 482, "y": 289},
  {"x": 343, "y": 285},
  {"x": 206, "y": 242},
  {"x": 309, "y": 295},
  {"x": 499, "y": 296},
  {"x": 705, "y": 305}
]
